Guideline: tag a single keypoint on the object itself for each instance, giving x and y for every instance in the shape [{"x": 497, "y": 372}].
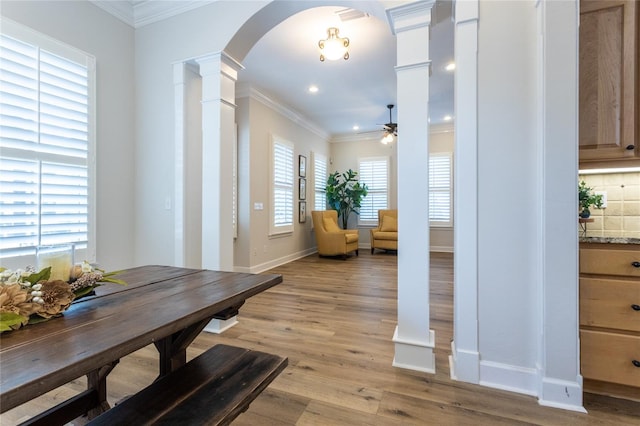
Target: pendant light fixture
[{"x": 333, "y": 47}]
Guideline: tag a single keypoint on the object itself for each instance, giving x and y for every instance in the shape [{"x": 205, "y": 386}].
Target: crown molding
[
  {"x": 138, "y": 13},
  {"x": 372, "y": 136},
  {"x": 147, "y": 12},
  {"x": 123, "y": 10},
  {"x": 441, "y": 128},
  {"x": 375, "y": 136},
  {"x": 244, "y": 91}
]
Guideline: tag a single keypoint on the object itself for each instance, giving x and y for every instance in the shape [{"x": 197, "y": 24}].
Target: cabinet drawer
[
  {"x": 610, "y": 303},
  {"x": 609, "y": 262},
  {"x": 609, "y": 357}
]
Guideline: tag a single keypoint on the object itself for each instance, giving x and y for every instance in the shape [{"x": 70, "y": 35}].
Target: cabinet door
[{"x": 607, "y": 80}]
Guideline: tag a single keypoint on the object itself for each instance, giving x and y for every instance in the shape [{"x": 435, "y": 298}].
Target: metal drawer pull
[
  {"x": 635, "y": 264},
  {"x": 636, "y": 363},
  {"x": 635, "y": 307}
]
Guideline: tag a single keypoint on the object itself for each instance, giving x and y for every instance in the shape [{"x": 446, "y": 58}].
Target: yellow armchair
[
  {"x": 385, "y": 236},
  {"x": 331, "y": 240}
]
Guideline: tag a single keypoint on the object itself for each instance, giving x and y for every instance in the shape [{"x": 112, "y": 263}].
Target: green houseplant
[
  {"x": 345, "y": 194},
  {"x": 586, "y": 199}
]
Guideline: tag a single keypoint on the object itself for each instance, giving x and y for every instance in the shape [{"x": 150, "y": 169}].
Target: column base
[
  {"x": 217, "y": 326},
  {"x": 464, "y": 365},
  {"x": 562, "y": 394},
  {"x": 415, "y": 355}
]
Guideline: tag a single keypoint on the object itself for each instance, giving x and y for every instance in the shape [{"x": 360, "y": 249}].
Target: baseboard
[
  {"x": 509, "y": 377},
  {"x": 562, "y": 394},
  {"x": 217, "y": 326},
  {"x": 256, "y": 269},
  {"x": 441, "y": 249}
]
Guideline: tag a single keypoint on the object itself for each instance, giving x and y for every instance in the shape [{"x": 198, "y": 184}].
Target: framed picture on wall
[
  {"x": 302, "y": 189},
  {"x": 302, "y": 166},
  {"x": 302, "y": 211}
]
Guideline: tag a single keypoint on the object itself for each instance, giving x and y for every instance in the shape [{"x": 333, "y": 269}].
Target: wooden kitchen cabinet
[
  {"x": 610, "y": 319},
  {"x": 609, "y": 107}
]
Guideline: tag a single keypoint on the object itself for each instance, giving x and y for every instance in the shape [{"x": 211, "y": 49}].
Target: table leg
[
  {"x": 173, "y": 348},
  {"x": 97, "y": 380}
]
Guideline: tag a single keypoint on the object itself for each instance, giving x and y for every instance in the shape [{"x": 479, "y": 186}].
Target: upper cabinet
[{"x": 609, "y": 83}]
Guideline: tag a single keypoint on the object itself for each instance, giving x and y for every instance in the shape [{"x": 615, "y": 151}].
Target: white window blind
[
  {"x": 319, "y": 182},
  {"x": 45, "y": 137},
  {"x": 282, "y": 185},
  {"x": 440, "y": 186},
  {"x": 374, "y": 172}
]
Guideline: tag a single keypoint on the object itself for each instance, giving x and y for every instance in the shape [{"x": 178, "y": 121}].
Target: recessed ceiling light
[
  {"x": 313, "y": 89},
  {"x": 356, "y": 127},
  {"x": 447, "y": 118},
  {"x": 450, "y": 66}
]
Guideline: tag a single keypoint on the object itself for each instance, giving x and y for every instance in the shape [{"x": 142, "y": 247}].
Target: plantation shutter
[
  {"x": 320, "y": 182},
  {"x": 44, "y": 137},
  {"x": 374, "y": 172},
  {"x": 282, "y": 202},
  {"x": 440, "y": 185}
]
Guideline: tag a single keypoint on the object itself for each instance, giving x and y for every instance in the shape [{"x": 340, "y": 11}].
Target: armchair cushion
[
  {"x": 330, "y": 225},
  {"x": 389, "y": 224},
  {"x": 351, "y": 238}
]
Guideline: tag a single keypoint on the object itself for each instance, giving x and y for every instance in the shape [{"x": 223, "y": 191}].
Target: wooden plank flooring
[{"x": 334, "y": 320}]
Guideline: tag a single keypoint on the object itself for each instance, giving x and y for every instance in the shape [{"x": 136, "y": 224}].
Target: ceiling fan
[{"x": 390, "y": 129}]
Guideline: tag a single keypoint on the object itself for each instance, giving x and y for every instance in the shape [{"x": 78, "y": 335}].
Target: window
[
  {"x": 282, "y": 187},
  {"x": 440, "y": 184},
  {"x": 46, "y": 137},
  {"x": 319, "y": 182},
  {"x": 374, "y": 172}
]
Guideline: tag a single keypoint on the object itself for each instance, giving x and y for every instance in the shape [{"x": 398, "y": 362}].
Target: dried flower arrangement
[{"x": 29, "y": 297}]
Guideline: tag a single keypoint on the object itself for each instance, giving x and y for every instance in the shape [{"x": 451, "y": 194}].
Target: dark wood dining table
[{"x": 164, "y": 305}]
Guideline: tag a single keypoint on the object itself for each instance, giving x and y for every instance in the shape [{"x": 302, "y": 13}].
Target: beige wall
[
  {"x": 254, "y": 249},
  {"x": 621, "y": 217},
  {"x": 345, "y": 155}
]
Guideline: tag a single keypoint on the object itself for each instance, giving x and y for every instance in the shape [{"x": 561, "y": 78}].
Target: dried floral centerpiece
[{"x": 29, "y": 297}]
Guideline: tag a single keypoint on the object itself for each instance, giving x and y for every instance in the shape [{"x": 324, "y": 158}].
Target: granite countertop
[{"x": 609, "y": 240}]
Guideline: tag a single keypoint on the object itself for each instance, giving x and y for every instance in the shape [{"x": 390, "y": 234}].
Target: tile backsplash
[{"x": 621, "y": 217}]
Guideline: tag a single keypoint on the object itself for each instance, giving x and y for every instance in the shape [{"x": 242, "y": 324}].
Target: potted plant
[
  {"x": 586, "y": 199},
  {"x": 344, "y": 194}
]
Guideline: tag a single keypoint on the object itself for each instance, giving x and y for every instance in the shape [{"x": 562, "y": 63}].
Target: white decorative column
[
  {"x": 559, "y": 364},
  {"x": 465, "y": 359},
  {"x": 414, "y": 341},
  {"x": 219, "y": 74}
]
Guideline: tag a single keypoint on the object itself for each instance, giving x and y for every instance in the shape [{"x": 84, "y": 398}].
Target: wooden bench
[{"x": 212, "y": 389}]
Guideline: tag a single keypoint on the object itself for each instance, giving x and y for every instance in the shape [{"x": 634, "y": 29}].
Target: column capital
[
  {"x": 219, "y": 62},
  {"x": 410, "y": 16}
]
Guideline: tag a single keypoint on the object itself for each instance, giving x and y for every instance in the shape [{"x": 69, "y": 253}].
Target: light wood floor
[{"x": 334, "y": 320}]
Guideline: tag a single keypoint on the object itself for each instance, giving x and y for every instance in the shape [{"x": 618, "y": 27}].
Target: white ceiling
[{"x": 285, "y": 62}]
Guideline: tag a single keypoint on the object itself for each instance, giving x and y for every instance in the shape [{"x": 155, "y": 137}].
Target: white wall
[
  {"x": 86, "y": 27},
  {"x": 158, "y": 46}
]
